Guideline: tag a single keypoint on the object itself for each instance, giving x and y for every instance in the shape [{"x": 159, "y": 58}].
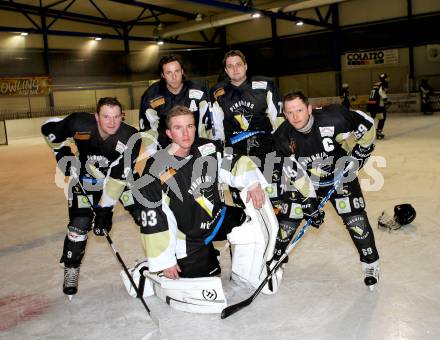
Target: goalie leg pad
[
  {"x": 138, "y": 272},
  {"x": 275, "y": 280},
  {"x": 253, "y": 243},
  {"x": 194, "y": 295}
]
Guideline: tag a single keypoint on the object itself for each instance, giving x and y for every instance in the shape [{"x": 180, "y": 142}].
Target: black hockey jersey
[
  {"x": 182, "y": 205},
  {"x": 98, "y": 159},
  {"x": 157, "y": 100},
  {"x": 252, "y": 107},
  {"x": 319, "y": 150}
]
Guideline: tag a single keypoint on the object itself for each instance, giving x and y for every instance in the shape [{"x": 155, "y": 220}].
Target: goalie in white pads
[{"x": 180, "y": 213}]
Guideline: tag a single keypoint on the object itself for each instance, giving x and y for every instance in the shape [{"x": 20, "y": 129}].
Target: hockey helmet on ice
[{"x": 404, "y": 213}]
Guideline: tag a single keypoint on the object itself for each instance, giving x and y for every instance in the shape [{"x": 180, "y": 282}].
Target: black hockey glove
[
  {"x": 310, "y": 210},
  {"x": 103, "y": 220},
  {"x": 69, "y": 164},
  {"x": 361, "y": 154}
]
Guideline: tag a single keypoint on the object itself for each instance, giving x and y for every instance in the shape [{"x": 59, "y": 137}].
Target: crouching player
[
  {"x": 180, "y": 212},
  {"x": 105, "y": 155}
]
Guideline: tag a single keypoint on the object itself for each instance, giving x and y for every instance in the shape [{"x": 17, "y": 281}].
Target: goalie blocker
[{"x": 252, "y": 243}]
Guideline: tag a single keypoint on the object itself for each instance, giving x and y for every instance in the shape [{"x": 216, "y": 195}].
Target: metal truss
[
  {"x": 48, "y": 16},
  {"x": 247, "y": 7}
]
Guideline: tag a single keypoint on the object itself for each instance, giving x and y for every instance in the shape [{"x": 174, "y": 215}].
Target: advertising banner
[
  {"x": 372, "y": 58},
  {"x": 25, "y": 86}
]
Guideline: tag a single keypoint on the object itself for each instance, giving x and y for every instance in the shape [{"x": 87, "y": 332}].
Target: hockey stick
[
  {"x": 121, "y": 261},
  {"x": 240, "y": 305}
]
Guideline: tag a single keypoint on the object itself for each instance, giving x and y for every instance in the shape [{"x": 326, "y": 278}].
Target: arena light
[
  {"x": 160, "y": 42},
  {"x": 199, "y": 17},
  {"x": 23, "y": 34},
  {"x": 299, "y": 23},
  {"x": 256, "y": 15},
  {"x": 97, "y": 38}
]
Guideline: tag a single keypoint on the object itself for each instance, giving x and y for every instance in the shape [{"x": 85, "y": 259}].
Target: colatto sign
[{"x": 371, "y": 58}]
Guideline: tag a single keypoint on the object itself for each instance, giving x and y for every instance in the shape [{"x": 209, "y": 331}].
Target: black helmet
[
  {"x": 404, "y": 213},
  {"x": 383, "y": 76}
]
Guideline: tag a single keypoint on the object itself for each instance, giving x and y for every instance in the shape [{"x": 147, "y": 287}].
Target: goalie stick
[
  {"x": 121, "y": 261},
  {"x": 240, "y": 305}
]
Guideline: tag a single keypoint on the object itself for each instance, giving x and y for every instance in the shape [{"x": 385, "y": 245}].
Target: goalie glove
[{"x": 361, "y": 154}]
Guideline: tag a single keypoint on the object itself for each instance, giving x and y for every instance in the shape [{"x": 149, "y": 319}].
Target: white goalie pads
[
  {"x": 137, "y": 272},
  {"x": 194, "y": 295},
  {"x": 253, "y": 244}
]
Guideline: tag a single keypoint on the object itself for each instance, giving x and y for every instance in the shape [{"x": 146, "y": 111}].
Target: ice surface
[{"x": 322, "y": 296}]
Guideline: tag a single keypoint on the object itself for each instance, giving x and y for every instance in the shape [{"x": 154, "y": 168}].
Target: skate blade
[
  {"x": 70, "y": 297},
  {"x": 371, "y": 288}
]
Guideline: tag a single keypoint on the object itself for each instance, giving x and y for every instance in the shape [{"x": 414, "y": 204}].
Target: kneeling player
[{"x": 181, "y": 212}]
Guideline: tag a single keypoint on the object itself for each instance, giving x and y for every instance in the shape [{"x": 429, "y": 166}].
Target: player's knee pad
[
  {"x": 253, "y": 243},
  {"x": 362, "y": 235},
  {"x": 357, "y": 225},
  {"x": 78, "y": 227}
]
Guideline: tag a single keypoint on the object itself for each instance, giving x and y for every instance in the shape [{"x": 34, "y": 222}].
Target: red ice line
[{"x": 19, "y": 308}]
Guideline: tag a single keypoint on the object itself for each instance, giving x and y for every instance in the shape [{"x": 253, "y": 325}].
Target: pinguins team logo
[{"x": 209, "y": 294}]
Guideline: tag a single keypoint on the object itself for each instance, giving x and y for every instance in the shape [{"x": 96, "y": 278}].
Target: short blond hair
[{"x": 175, "y": 111}]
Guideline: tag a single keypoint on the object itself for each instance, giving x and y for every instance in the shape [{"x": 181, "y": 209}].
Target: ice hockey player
[
  {"x": 246, "y": 110},
  {"x": 426, "y": 91},
  {"x": 181, "y": 213},
  {"x": 172, "y": 89},
  {"x": 317, "y": 138},
  {"x": 377, "y": 102},
  {"x": 106, "y": 151},
  {"x": 345, "y": 95}
]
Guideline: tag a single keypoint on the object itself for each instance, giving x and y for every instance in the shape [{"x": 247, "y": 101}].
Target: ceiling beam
[
  {"x": 53, "y": 13},
  {"x": 156, "y": 8},
  {"x": 268, "y": 13},
  {"x": 106, "y": 36}
]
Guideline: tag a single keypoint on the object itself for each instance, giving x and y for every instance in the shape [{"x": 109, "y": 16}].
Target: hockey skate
[
  {"x": 70, "y": 285},
  {"x": 379, "y": 134},
  {"x": 371, "y": 274}
]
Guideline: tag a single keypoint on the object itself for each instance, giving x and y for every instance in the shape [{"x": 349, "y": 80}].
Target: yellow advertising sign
[{"x": 25, "y": 86}]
